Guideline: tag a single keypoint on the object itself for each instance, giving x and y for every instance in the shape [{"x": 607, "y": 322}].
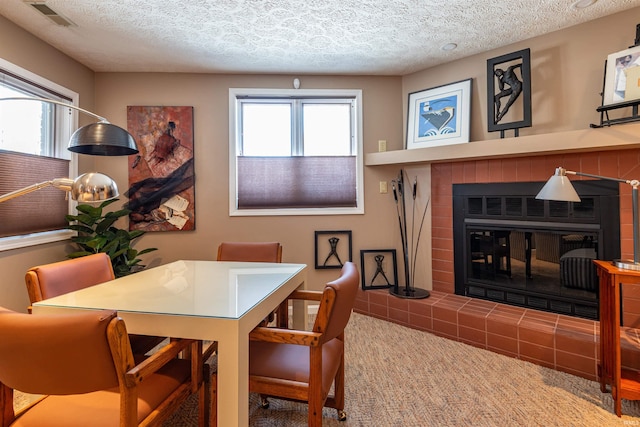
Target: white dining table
[{"x": 205, "y": 300}]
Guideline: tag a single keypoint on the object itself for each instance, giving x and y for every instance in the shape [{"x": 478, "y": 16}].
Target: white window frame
[
  {"x": 234, "y": 128},
  {"x": 26, "y": 240}
]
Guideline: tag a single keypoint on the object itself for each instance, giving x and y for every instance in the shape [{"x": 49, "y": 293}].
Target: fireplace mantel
[{"x": 609, "y": 138}]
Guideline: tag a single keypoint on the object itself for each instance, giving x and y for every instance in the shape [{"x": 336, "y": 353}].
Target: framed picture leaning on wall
[
  {"x": 439, "y": 116},
  {"x": 621, "y": 76}
]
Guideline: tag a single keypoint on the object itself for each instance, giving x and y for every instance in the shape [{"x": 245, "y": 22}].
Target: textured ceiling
[{"x": 386, "y": 37}]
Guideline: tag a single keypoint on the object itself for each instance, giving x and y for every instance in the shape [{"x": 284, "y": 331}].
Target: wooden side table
[{"x": 624, "y": 383}]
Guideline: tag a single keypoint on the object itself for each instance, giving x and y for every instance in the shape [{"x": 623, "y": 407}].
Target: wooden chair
[
  {"x": 302, "y": 365},
  {"x": 250, "y": 251},
  {"x": 87, "y": 374},
  {"x": 50, "y": 280},
  {"x": 253, "y": 252}
]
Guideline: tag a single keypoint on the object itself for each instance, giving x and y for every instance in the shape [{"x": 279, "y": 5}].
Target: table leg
[{"x": 233, "y": 378}]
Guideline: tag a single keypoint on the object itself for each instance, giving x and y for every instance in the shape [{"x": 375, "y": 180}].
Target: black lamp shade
[{"x": 102, "y": 139}]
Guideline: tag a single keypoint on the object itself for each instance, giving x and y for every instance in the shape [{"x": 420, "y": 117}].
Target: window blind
[
  {"x": 296, "y": 182},
  {"x": 42, "y": 210}
]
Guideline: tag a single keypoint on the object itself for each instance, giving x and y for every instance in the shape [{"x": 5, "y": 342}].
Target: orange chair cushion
[
  {"x": 291, "y": 361},
  {"x": 62, "y": 277},
  {"x": 79, "y": 359},
  {"x": 102, "y": 408}
]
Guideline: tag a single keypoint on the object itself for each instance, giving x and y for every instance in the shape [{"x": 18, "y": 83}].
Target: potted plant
[{"x": 96, "y": 233}]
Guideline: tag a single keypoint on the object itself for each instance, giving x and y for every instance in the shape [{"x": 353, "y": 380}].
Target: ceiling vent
[{"x": 50, "y": 13}]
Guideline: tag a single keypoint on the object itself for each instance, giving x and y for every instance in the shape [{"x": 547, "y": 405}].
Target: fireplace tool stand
[{"x": 409, "y": 250}]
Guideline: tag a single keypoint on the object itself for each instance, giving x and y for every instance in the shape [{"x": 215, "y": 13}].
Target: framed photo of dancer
[
  {"x": 333, "y": 248},
  {"x": 509, "y": 91},
  {"x": 379, "y": 268},
  {"x": 439, "y": 116}
]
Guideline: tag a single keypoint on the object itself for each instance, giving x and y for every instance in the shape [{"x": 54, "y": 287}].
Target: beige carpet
[{"x": 396, "y": 376}]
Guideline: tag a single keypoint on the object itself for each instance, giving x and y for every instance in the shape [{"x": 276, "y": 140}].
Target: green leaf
[
  {"x": 144, "y": 251},
  {"x": 105, "y": 224},
  {"x": 118, "y": 214},
  {"x": 89, "y": 210},
  {"x": 135, "y": 234},
  {"x": 81, "y": 228},
  {"x": 107, "y": 203}
]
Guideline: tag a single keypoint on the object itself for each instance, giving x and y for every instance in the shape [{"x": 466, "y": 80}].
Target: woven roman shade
[
  {"x": 296, "y": 182},
  {"x": 42, "y": 210}
]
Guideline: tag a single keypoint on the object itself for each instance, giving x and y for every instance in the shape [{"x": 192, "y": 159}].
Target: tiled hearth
[{"x": 556, "y": 341}]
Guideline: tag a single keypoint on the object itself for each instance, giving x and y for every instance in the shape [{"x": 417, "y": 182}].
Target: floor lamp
[{"x": 559, "y": 187}]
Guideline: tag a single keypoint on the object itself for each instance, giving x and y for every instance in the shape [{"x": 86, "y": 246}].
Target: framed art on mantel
[
  {"x": 622, "y": 76},
  {"x": 439, "y": 116},
  {"x": 509, "y": 91},
  {"x": 161, "y": 176}
]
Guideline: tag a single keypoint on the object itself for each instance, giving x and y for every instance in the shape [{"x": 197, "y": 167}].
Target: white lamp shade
[{"x": 558, "y": 187}]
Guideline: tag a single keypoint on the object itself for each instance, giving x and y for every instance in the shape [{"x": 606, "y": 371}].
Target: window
[
  {"x": 33, "y": 140},
  {"x": 295, "y": 152}
]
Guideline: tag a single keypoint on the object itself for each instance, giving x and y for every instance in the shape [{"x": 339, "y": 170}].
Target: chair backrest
[
  {"x": 250, "y": 251},
  {"x": 50, "y": 280},
  {"x": 56, "y": 354},
  {"x": 334, "y": 319}
]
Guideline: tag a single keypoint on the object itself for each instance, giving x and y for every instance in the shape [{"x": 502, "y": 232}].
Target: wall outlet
[
  {"x": 383, "y": 187},
  {"x": 382, "y": 146}
]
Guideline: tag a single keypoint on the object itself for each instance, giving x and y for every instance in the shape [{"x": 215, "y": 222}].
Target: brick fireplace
[{"x": 554, "y": 340}]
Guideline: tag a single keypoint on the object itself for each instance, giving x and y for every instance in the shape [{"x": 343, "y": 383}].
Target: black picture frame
[
  {"x": 518, "y": 65},
  {"x": 375, "y": 271},
  {"x": 330, "y": 253}
]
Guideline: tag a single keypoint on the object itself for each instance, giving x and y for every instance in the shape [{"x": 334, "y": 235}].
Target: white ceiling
[{"x": 384, "y": 37}]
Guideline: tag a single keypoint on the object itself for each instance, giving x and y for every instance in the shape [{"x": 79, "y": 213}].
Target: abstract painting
[{"x": 161, "y": 176}]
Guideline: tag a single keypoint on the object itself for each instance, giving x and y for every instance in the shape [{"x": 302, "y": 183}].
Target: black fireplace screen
[{"x": 511, "y": 248}]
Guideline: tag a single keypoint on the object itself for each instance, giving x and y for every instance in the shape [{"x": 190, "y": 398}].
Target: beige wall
[
  {"x": 566, "y": 75},
  {"x": 209, "y": 95},
  {"x": 567, "y": 78}
]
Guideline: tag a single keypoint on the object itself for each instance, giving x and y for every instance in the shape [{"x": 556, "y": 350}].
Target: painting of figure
[{"x": 161, "y": 176}]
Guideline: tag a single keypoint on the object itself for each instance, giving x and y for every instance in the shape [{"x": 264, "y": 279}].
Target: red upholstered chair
[
  {"x": 250, "y": 251},
  {"x": 51, "y": 280},
  {"x": 83, "y": 365},
  {"x": 302, "y": 365}
]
